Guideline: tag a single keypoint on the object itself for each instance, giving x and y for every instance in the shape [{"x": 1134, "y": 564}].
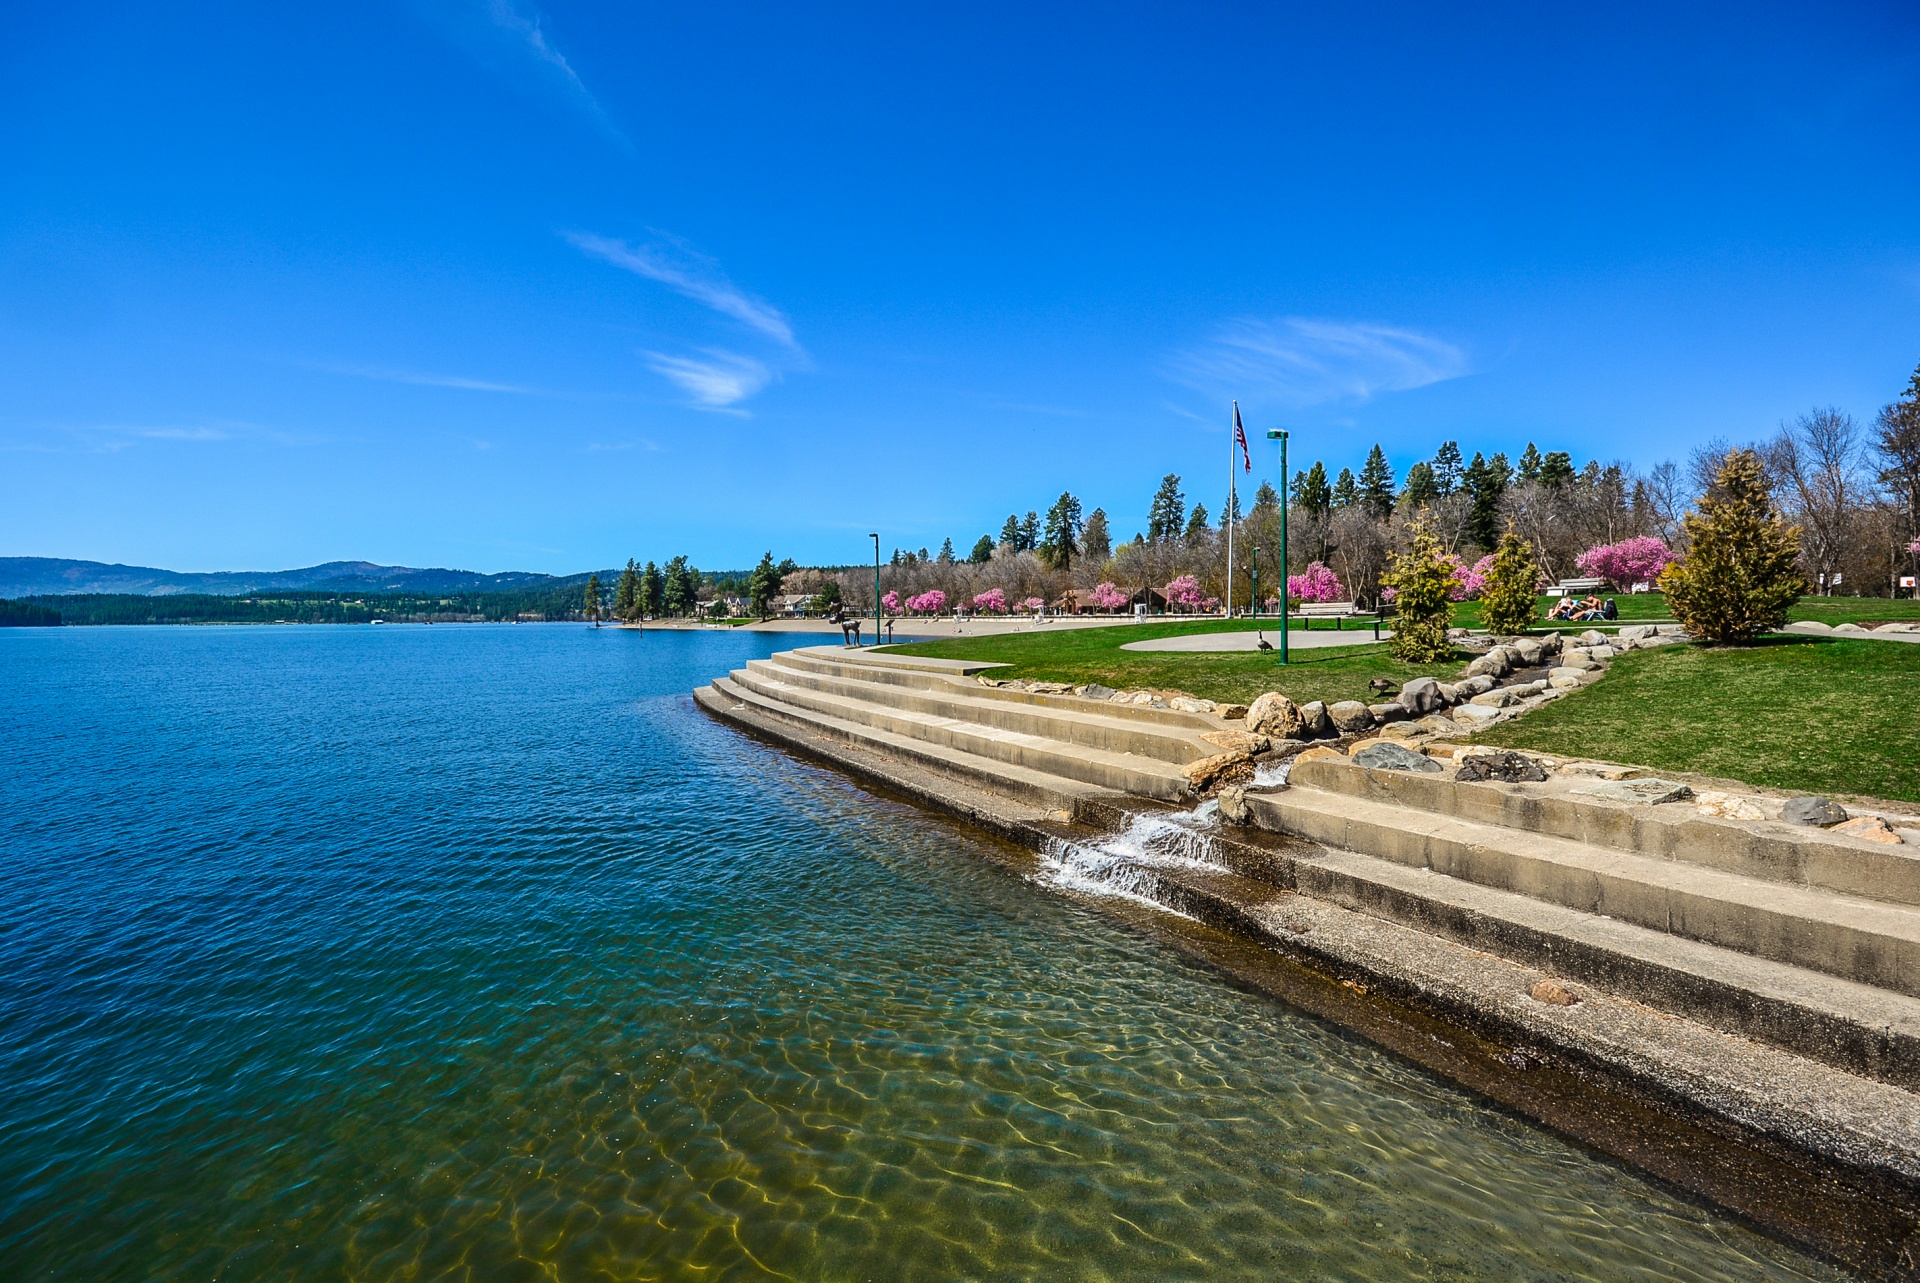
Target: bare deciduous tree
[{"x": 1818, "y": 469}]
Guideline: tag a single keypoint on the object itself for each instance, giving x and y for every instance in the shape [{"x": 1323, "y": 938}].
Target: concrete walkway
[{"x": 1297, "y": 639}]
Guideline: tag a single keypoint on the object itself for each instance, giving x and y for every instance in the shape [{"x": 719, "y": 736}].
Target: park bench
[
  {"x": 1577, "y": 587},
  {"x": 1308, "y": 611}
]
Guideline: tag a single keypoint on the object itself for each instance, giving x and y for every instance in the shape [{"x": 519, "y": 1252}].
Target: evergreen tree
[
  {"x": 1376, "y": 483},
  {"x": 1739, "y": 577},
  {"x": 653, "y": 591},
  {"x": 1529, "y": 463},
  {"x": 1010, "y": 532},
  {"x": 1029, "y": 532},
  {"x": 1502, "y": 470},
  {"x": 1197, "y": 523},
  {"x": 763, "y": 585},
  {"x": 1422, "y": 582},
  {"x": 1166, "y": 517},
  {"x": 1230, "y": 511},
  {"x": 1512, "y": 591},
  {"x": 1063, "y": 532},
  {"x": 1345, "y": 492},
  {"x": 681, "y": 592},
  {"x": 626, "y": 593},
  {"x": 1447, "y": 468},
  {"x": 1421, "y": 487},
  {"x": 1096, "y": 545},
  {"x": 982, "y": 551},
  {"x": 1485, "y": 485},
  {"x": 946, "y": 552},
  {"x": 1266, "y": 499},
  {"x": 590, "y": 606},
  {"x": 1311, "y": 490},
  {"x": 1557, "y": 468}
]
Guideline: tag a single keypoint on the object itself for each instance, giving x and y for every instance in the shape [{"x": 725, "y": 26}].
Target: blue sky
[{"x": 497, "y": 287}]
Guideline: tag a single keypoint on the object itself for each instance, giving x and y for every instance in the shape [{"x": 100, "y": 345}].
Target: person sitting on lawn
[{"x": 1562, "y": 610}]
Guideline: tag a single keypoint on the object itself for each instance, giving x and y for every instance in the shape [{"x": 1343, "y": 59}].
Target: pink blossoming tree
[
  {"x": 1108, "y": 597},
  {"x": 892, "y": 603},
  {"x": 1318, "y": 583},
  {"x": 992, "y": 601},
  {"x": 1631, "y": 561},
  {"x": 1185, "y": 594},
  {"x": 928, "y": 603}
]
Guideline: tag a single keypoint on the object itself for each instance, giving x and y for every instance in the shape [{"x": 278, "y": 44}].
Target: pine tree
[
  {"x": 1096, "y": 545},
  {"x": 626, "y": 593},
  {"x": 1530, "y": 463},
  {"x": 1197, "y": 523},
  {"x": 1167, "y": 515},
  {"x": 1376, "y": 483},
  {"x": 1010, "y": 532},
  {"x": 677, "y": 597},
  {"x": 1345, "y": 492},
  {"x": 1265, "y": 499},
  {"x": 590, "y": 606},
  {"x": 1557, "y": 468},
  {"x": 1029, "y": 532},
  {"x": 1512, "y": 591},
  {"x": 1421, "y": 488},
  {"x": 1312, "y": 492},
  {"x": 1447, "y": 467},
  {"x": 1739, "y": 576},
  {"x": 982, "y": 551},
  {"x": 1422, "y": 582},
  {"x": 1062, "y": 543},
  {"x": 946, "y": 552},
  {"x": 1485, "y": 485},
  {"x": 763, "y": 585},
  {"x": 653, "y": 591}
]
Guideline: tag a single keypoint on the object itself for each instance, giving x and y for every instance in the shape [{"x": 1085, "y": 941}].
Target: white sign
[{"x": 1906, "y": 581}]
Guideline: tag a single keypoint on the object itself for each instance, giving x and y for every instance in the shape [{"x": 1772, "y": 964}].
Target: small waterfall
[
  {"x": 1272, "y": 776},
  {"x": 1122, "y": 865}
]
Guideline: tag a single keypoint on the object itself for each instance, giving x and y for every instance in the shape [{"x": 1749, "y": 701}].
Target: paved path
[{"x": 1209, "y": 643}]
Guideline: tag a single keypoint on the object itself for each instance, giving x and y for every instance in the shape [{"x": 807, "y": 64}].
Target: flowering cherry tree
[
  {"x": 1035, "y": 604},
  {"x": 993, "y": 601},
  {"x": 1108, "y": 597},
  {"x": 1467, "y": 581},
  {"x": 1185, "y": 594},
  {"x": 1318, "y": 583},
  {"x": 892, "y": 602},
  {"x": 1631, "y": 561},
  {"x": 931, "y": 602}
]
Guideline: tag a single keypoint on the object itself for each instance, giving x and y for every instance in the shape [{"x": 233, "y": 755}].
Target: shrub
[
  {"x": 993, "y": 601},
  {"x": 1640, "y": 560},
  {"x": 1422, "y": 584},
  {"x": 1511, "y": 592},
  {"x": 1317, "y": 583},
  {"x": 1739, "y": 575}
]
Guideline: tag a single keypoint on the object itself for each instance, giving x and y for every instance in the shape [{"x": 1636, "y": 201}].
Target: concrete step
[
  {"x": 1081, "y": 726},
  {"x": 1871, "y": 942},
  {"x": 910, "y": 672},
  {"x": 1793, "y": 854},
  {"x": 1036, "y": 788},
  {"x": 1122, "y": 772}
]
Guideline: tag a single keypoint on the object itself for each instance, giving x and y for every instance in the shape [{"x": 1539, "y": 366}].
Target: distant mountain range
[{"x": 50, "y": 576}]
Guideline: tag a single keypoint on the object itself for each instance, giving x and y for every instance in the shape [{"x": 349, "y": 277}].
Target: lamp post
[
  {"x": 1253, "y": 571},
  {"x": 1275, "y": 434},
  {"x": 874, "y": 535}
]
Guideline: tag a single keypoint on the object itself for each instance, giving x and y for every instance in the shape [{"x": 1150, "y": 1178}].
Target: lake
[{"x": 476, "y": 952}]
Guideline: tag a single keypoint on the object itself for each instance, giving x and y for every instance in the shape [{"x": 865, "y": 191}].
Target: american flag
[{"x": 1240, "y": 437}]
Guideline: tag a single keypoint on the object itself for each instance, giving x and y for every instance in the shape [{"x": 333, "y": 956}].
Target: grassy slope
[
  {"x": 1094, "y": 655},
  {"x": 1813, "y": 715}
]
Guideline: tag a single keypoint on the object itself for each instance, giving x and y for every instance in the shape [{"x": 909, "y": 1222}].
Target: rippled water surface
[{"x": 477, "y": 952}]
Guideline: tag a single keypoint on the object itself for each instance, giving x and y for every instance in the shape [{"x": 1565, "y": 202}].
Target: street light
[
  {"x": 1275, "y": 434},
  {"x": 876, "y": 585},
  {"x": 1253, "y": 569}
]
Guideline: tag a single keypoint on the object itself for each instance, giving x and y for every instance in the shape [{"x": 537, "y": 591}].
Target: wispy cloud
[
  {"x": 425, "y": 379},
  {"x": 719, "y": 382},
  {"x": 693, "y": 275},
  {"x": 510, "y": 38},
  {"x": 1303, "y": 361}
]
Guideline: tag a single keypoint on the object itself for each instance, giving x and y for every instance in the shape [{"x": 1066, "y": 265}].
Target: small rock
[
  {"x": 1868, "y": 828},
  {"x": 1736, "y": 806},
  {"x": 1221, "y": 768},
  {"x": 1188, "y": 704},
  {"x": 1644, "y": 792},
  {"x": 1450, "y": 695},
  {"x": 1602, "y": 770},
  {"x": 1439, "y": 725},
  {"x": 1286, "y": 748},
  {"x": 1507, "y": 768},
  {"x": 1580, "y": 661},
  {"x": 1396, "y": 757},
  {"x": 1817, "y": 811},
  {"x": 1593, "y": 637},
  {"x": 1387, "y": 712},
  {"x": 1494, "y": 699},
  {"x": 991, "y": 681},
  {"x": 1476, "y": 715},
  {"x": 1350, "y": 716},
  {"x": 1564, "y": 683},
  {"x": 1233, "y": 805},
  {"x": 1635, "y": 632},
  {"x": 1403, "y": 731},
  {"x": 1094, "y": 690},
  {"x": 1276, "y": 715},
  {"x": 1049, "y": 688},
  {"x": 1318, "y": 751},
  {"x": 1420, "y": 696},
  {"x": 1479, "y": 685},
  {"x": 1553, "y": 993},
  {"x": 1602, "y": 653},
  {"x": 1237, "y": 741},
  {"x": 1527, "y": 690},
  {"x": 1314, "y": 712},
  {"x": 1232, "y": 712}
]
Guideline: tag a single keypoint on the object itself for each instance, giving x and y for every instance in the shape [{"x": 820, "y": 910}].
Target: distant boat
[{"x": 379, "y": 621}]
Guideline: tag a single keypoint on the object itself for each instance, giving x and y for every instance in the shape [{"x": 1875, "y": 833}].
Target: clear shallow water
[{"x": 477, "y": 952}]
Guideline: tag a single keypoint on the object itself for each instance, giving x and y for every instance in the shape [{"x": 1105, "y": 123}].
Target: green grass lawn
[
  {"x": 1805, "y": 714},
  {"x": 1094, "y": 655},
  {"x": 1639, "y": 607}
]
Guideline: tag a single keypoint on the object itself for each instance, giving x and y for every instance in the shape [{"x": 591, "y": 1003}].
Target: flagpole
[{"x": 1230, "y": 443}]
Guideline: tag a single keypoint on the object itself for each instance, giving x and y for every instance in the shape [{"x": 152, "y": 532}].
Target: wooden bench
[
  {"x": 1337, "y": 611},
  {"x": 1577, "y": 587}
]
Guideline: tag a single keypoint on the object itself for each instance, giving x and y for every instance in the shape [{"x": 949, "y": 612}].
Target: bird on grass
[{"x": 1262, "y": 635}]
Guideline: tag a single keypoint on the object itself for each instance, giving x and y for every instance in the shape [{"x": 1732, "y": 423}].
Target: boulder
[
  {"x": 1275, "y": 715},
  {"x": 1232, "y": 712},
  {"x": 1644, "y": 792},
  {"x": 1868, "y": 828},
  {"x": 1579, "y": 659},
  {"x": 1420, "y": 696},
  {"x": 1188, "y": 704},
  {"x": 1853, "y": 630},
  {"x": 1387, "y": 712},
  {"x": 1350, "y": 717},
  {"x": 1593, "y": 637},
  {"x": 1528, "y": 651},
  {"x": 1403, "y": 731},
  {"x": 1505, "y": 767},
  {"x": 1472, "y": 686},
  {"x": 1816, "y": 811},
  {"x": 1238, "y": 741},
  {"x": 1494, "y": 699},
  {"x": 1736, "y": 806},
  {"x": 1094, "y": 690},
  {"x": 1319, "y": 750},
  {"x": 1550, "y": 645},
  {"x": 1570, "y": 681},
  {"x": 1396, "y": 757},
  {"x": 1602, "y": 771},
  {"x": 1492, "y": 664},
  {"x": 1439, "y": 725},
  {"x": 1286, "y": 748},
  {"x": 1527, "y": 690},
  {"x": 1636, "y": 632},
  {"x": 1601, "y": 653},
  {"x": 1475, "y": 716},
  {"x": 1315, "y": 714},
  {"x": 1233, "y": 805},
  {"x": 1222, "y": 768}
]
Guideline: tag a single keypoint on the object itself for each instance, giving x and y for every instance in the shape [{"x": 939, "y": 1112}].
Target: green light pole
[
  {"x": 1275, "y": 434},
  {"x": 1253, "y": 569},
  {"x": 873, "y": 535}
]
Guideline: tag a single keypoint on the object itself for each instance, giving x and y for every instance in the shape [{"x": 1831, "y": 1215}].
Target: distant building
[{"x": 791, "y": 604}]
